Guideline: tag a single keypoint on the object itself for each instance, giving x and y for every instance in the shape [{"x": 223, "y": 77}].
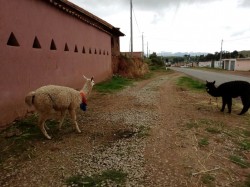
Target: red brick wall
[{"x": 24, "y": 68}]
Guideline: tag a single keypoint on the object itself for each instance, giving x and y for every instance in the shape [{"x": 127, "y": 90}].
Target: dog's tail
[{"x": 29, "y": 99}]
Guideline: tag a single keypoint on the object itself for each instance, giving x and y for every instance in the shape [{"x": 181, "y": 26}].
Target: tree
[
  {"x": 234, "y": 54},
  {"x": 155, "y": 60}
]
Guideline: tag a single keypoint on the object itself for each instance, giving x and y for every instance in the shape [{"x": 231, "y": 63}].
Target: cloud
[
  {"x": 149, "y": 5},
  {"x": 244, "y": 3}
]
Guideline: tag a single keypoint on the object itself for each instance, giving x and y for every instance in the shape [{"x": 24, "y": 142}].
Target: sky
[{"x": 177, "y": 25}]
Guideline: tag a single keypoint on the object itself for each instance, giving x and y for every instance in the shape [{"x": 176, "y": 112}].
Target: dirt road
[{"x": 154, "y": 132}]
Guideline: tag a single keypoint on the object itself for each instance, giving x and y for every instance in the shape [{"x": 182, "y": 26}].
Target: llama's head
[
  {"x": 210, "y": 87},
  {"x": 91, "y": 81},
  {"x": 88, "y": 85}
]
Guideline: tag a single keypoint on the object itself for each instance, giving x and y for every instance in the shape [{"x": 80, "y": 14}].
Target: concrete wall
[
  {"x": 24, "y": 68},
  {"x": 243, "y": 65},
  {"x": 205, "y": 64}
]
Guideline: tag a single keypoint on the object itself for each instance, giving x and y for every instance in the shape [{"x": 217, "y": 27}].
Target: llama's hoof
[
  {"x": 79, "y": 131},
  {"x": 48, "y": 137}
]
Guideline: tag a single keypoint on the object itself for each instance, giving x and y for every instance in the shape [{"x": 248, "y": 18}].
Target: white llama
[{"x": 51, "y": 99}]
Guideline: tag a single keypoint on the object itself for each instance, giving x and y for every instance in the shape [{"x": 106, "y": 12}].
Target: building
[
  {"x": 229, "y": 64},
  {"x": 239, "y": 64},
  {"x": 50, "y": 42},
  {"x": 205, "y": 64},
  {"x": 232, "y": 64}
]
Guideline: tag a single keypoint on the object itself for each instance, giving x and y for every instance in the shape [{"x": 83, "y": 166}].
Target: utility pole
[
  {"x": 221, "y": 53},
  {"x": 131, "y": 28},
  {"x": 142, "y": 46},
  {"x": 147, "y": 49}
]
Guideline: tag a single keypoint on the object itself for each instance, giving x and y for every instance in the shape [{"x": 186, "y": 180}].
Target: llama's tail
[{"x": 29, "y": 99}]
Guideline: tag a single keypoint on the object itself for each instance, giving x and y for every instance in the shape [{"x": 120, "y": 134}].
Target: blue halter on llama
[{"x": 229, "y": 90}]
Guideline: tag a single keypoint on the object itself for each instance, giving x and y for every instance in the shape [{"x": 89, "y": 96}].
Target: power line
[{"x": 136, "y": 21}]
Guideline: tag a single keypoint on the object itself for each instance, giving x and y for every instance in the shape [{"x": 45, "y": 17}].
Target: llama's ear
[
  {"x": 92, "y": 78},
  {"x": 85, "y": 77},
  {"x": 206, "y": 81},
  {"x": 214, "y": 82}
]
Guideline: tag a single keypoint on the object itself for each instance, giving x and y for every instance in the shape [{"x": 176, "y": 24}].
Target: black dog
[{"x": 231, "y": 90}]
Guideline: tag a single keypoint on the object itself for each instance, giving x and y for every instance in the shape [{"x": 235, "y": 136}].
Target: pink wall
[
  {"x": 242, "y": 65},
  {"x": 25, "y": 68}
]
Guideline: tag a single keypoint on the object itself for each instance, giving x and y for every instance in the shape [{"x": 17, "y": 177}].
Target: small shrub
[
  {"x": 118, "y": 177},
  {"x": 246, "y": 133},
  {"x": 143, "y": 131},
  {"x": 192, "y": 124},
  {"x": 239, "y": 161},
  {"x": 213, "y": 130},
  {"x": 245, "y": 145},
  {"x": 207, "y": 179},
  {"x": 203, "y": 142}
]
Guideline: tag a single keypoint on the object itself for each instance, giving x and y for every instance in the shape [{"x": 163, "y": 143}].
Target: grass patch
[
  {"x": 213, "y": 130},
  {"x": 17, "y": 139},
  {"x": 118, "y": 177},
  {"x": 207, "y": 179},
  {"x": 203, "y": 142},
  {"x": 157, "y": 68},
  {"x": 115, "y": 84},
  {"x": 245, "y": 145},
  {"x": 211, "y": 126},
  {"x": 190, "y": 83},
  {"x": 192, "y": 124},
  {"x": 246, "y": 133},
  {"x": 143, "y": 131},
  {"x": 239, "y": 161},
  {"x": 24, "y": 129}
]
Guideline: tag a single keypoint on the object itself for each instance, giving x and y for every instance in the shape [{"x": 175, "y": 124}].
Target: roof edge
[{"x": 85, "y": 16}]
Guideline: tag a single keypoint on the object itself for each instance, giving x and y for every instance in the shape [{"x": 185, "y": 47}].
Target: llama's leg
[
  {"x": 46, "y": 127},
  {"x": 246, "y": 105},
  {"x": 223, "y": 104},
  {"x": 72, "y": 113},
  {"x": 229, "y": 105},
  {"x": 41, "y": 123},
  {"x": 61, "y": 119}
]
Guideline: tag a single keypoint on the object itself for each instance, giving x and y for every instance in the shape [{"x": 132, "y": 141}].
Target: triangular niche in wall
[
  {"x": 12, "y": 41},
  {"x": 66, "y": 48},
  {"x": 36, "y": 43},
  {"x": 52, "y": 45}
]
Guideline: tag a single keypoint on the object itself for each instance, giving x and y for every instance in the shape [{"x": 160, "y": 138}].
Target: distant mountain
[
  {"x": 245, "y": 53},
  {"x": 181, "y": 53}
]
